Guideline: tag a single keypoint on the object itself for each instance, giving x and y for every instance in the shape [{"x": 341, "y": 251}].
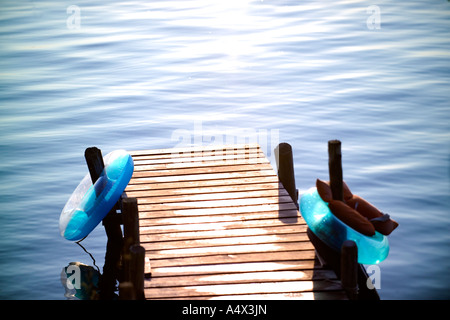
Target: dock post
[
  {"x": 349, "y": 250},
  {"x": 335, "y": 169},
  {"x": 94, "y": 160},
  {"x": 133, "y": 253},
  {"x": 130, "y": 218},
  {"x": 137, "y": 266},
  {"x": 126, "y": 291},
  {"x": 285, "y": 165},
  {"x": 349, "y": 268}
]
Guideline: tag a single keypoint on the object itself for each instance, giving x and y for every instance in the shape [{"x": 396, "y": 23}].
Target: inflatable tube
[
  {"x": 332, "y": 231},
  {"x": 356, "y": 212},
  {"x": 85, "y": 209}
]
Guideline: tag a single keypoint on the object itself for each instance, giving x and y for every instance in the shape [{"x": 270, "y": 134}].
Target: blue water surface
[{"x": 160, "y": 74}]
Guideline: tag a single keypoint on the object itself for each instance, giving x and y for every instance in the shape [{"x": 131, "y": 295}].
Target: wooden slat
[
  {"x": 315, "y": 295},
  {"x": 195, "y": 149},
  {"x": 191, "y": 171},
  {"x": 230, "y": 250},
  {"x": 151, "y": 192},
  {"x": 236, "y": 195},
  {"x": 185, "y": 186},
  {"x": 236, "y": 203},
  {"x": 244, "y": 277},
  {"x": 202, "y": 176},
  {"x": 197, "y": 154},
  {"x": 216, "y": 223},
  {"x": 198, "y": 158},
  {"x": 197, "y": 243},
  {"x": 228, "y": 225},
  {"x": 247, "y": 288},
  {"x": 224, "y": 233},
  {"x": 212, "y": 245},
  {"x": 242, "y": 214},
  {"x": 233, "y": 258},
  {"x": 200, "y": 164},
  {"x": 228, "y": 268}
]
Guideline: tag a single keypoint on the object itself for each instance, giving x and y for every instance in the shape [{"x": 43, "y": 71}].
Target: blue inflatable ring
[
  {"x": 84, "y": 210},
  {"x": 332, "y": 231}
]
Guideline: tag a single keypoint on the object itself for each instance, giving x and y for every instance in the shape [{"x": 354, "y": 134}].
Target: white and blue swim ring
[{"x": 89, "y": 204}]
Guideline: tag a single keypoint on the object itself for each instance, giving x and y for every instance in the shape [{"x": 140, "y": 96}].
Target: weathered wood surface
[{"x": 216, "y": 224}]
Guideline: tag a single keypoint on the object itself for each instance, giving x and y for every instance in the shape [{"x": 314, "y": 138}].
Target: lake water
[{"x": 148, "y": 74}]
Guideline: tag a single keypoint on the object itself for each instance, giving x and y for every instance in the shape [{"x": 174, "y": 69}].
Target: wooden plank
[
  {"x": 187, "y": 150},
  {"x": 278, "y": 209},
  {"x": 247, "y": 288},
  {"x": 208, "y": 196},
  {"x": 230, "y": 249},
  {"x": 172, "y": 151},
  {"x": 228, "y": 268},
  {"x": 244, "y": 277},
  {"x": 224, "y": 225},
  {"x": 210, "y": 234},
  {"x": 197, "y": 243},
  {"x": 200, "y": 165},
  {"x": 198, "y": 158},
  {"x": 148, "y": 185},
  {"x": 236, "y": 195},
  {"x": 315, "y": 295},
  {"x": 233, "y": 258},
  {"x": 176, "y": 190},
  {"x": 204, "y": 170},
  {"x": 220, "y": 233},
  {"x": 236, "y": 203},
  {"x": 217, "y": 154},
  {"x": 219, "y": 215},
  {"x": 201, "y": 176},
  {"x": 227, "y": 225}
]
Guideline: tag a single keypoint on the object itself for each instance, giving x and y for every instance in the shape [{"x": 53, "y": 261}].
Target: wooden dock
[{"x": 216, "y": 223}]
